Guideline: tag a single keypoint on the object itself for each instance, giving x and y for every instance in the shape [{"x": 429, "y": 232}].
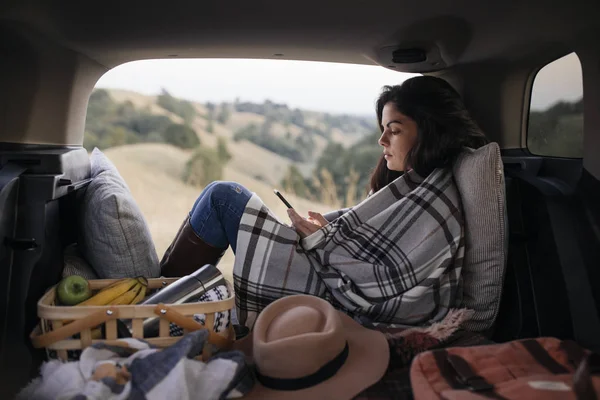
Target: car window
[
  {"x": 172, "y": 126},
  {"x": 555, "y": 126}
]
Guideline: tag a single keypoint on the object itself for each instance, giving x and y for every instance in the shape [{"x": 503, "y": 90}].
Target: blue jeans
[{"x": 217, "y": 212}]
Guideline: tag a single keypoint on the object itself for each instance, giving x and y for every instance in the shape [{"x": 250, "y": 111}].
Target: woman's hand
[{"x": 306, "y": 227}]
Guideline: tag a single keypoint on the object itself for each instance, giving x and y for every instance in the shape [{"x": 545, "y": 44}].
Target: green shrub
[
  {"x": 224, "y": 114},
  {"x": 181, "y": 136},
  {"x": 293, "y": 182},
  {"x": 204, "y": 167},
  {"x": 90, "y": 140},
  {"x": 183, "y": 108},
  {"x": 261, "y": 137},
  {"x": 222, "y": 151}
]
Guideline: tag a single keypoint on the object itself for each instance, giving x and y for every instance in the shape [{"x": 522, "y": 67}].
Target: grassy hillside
[{"x": 266, "y": 141}]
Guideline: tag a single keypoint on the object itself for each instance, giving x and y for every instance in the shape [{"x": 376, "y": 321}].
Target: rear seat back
[
  {"x": 36, "y": 223},
  {"x": 549, "y": 288}
]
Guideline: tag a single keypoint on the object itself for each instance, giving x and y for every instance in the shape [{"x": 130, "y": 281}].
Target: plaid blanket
[
  {"x": 393, "y": 259},
  {"x": 134, "y": 369}
]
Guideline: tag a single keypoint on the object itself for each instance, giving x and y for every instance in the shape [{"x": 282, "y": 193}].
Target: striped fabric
[
  {"x": 222, "y": 318},
  {"x": 479, "y": 176},
  {"x": 394, "y": 259}
]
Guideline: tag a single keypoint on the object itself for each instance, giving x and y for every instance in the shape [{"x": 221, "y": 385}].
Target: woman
[{"x": 393, "y": 259}]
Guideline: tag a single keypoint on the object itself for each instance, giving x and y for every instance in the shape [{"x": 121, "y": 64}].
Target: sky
[
  {"x": 327, "y": 87},
  {"x": 559, "y": 80}
]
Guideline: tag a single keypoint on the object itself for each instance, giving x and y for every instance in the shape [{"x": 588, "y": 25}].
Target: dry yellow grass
[
  {"x": 238, "y": 120},
  {"x": 153, "y": 174}
]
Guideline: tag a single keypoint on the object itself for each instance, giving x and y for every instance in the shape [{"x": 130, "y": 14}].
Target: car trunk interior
[{"x": 53, "y": 54}]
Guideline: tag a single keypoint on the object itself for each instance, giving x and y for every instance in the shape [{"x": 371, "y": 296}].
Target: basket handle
[
  {"x": 65, "y": 331},
  {"x": 190, "y": 324}
]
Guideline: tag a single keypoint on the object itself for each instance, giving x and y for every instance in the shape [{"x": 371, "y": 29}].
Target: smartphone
[{"x": 288, "y": 205}]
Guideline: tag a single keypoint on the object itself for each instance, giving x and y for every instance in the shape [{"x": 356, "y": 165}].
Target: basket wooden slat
[
  {"x": 47, "y": 310},
  {"x": 55, "y": 320},
  {"x": 137, "y": 327},
  {"x": 64, "y": 345},
  {"x": 86, "y": 337},
  {"x": 111, "y": 330}
]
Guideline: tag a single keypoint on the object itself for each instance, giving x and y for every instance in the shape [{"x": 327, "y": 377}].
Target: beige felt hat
[{"x": 303, "y": 348}]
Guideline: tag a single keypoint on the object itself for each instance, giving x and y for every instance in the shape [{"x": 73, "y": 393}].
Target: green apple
[{"x": 73, "y": 290}]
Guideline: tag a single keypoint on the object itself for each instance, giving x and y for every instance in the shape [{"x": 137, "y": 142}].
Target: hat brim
[{"x": 367, "y": 361}]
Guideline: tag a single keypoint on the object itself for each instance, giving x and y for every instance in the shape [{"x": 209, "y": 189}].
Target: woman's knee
[{"x": 228, "y": 192}]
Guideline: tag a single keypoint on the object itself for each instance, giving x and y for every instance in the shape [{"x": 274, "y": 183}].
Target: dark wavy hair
[{"x": 444, "y": 126}]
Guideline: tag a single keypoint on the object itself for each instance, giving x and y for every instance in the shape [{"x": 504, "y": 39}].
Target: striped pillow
[{"x": 479, "y": 175}]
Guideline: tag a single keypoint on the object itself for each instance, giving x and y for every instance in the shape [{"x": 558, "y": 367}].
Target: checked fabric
[{"x": 394, "y": 259}]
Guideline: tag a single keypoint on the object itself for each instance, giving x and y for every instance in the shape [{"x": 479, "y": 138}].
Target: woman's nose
[{"x": 382, "y": 139}]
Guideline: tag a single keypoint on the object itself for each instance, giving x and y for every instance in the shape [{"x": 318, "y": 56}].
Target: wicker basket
[{"x": 58, "y": 324}]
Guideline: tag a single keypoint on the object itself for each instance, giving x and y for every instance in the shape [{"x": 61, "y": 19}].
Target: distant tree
[
  {"x": 187, "y": 112},
  {"x": 204, "y": 167},
  {"x": 335, "y": 161},
  {"x": 224, "y": 114},
  {"x": 166, "y": 101},
  {"x": 101, "y": 107},
  {"x": 126, "y": 110},
  {"x": 210, "y": 109},
  {"x": 90, "y": 140},
  {"x": 340, "y": 162},
  {"x": 222, "y": 150},
  {"x": 143, "y": 122},
  {"x": 183, "y": 108},
  {"x": 250, "y": 130},
  {"x": 557, "y": 131},
  {"x": 293, "y": 182},
  {"x": 210, "y": 126},
  {"x": 181, "y": 136},
  {"x": 305, "y": 143},
  {"x": 297, "y": 118},
  {"x": 267, "y": 126},
  {"x": 100, "y": 104},
  {"x": 118, "y": 136},
  {"x": 262, "y": 137}
]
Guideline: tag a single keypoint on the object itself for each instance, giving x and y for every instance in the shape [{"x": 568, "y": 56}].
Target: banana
[
  {"x": 122, "y": 292},
  {"x": 142, "y": 280},
  {"x": 128, "y": 296},
  {"x": 140, "y": 296},
  {"x": 108, "y": 294}
]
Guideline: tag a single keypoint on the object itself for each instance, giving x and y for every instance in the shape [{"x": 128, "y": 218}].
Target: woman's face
[{"x": 398, "y": 137}]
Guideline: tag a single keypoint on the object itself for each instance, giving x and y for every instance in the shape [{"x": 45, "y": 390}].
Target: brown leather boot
[{"x": 187, "y": 253}]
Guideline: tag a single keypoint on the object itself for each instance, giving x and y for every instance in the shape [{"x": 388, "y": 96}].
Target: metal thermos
[{"x": 185, "y": 290}]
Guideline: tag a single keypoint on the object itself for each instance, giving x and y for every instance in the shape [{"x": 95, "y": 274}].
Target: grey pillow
[
  {"x": 113, "y": 234},
  {"x": 479, "y": 175}
]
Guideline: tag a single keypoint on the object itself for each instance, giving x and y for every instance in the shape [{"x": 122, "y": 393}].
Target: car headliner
[{"x": 113, "y": 32}]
